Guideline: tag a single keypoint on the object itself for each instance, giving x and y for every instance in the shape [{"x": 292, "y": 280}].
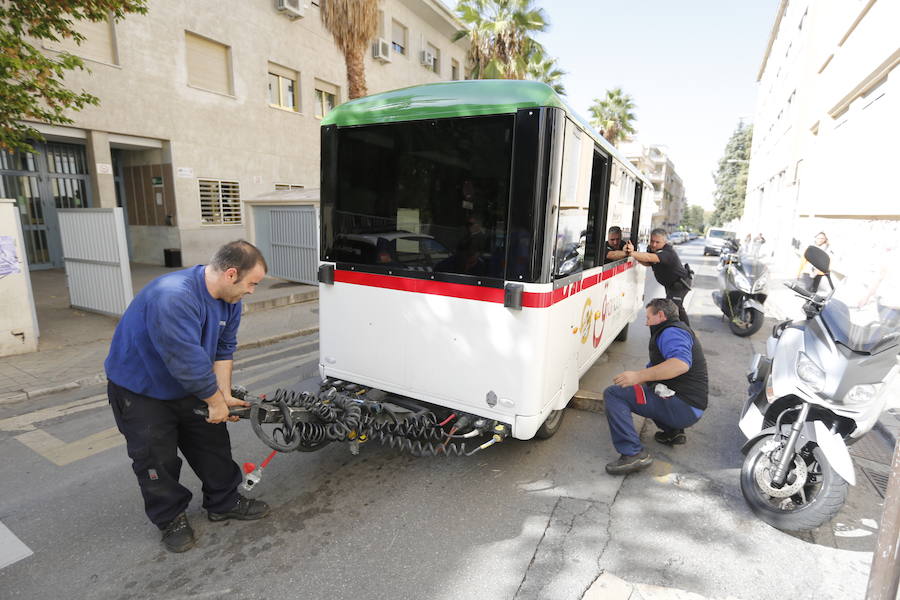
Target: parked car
[
  {"x": 715, "y": 239},
  {"x": 678, "y": 237}
]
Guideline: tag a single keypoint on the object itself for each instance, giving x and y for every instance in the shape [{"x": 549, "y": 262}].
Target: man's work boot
[
  {"x": 246, "y": 509},
  {"x": 670, "y": 437},
  {"x": 178, "y": 535},
  {"x": 629, "y": 464}
]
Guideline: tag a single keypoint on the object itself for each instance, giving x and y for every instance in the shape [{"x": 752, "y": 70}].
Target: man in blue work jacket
[
  {"x": 171, "y": 351},
  {"x": 672, "y": 390}
]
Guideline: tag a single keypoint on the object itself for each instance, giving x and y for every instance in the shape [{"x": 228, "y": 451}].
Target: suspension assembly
[{"x": 346, "y": 412}]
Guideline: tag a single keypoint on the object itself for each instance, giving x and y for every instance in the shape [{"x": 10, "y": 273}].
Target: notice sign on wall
[{"x": 9, "y": 260}]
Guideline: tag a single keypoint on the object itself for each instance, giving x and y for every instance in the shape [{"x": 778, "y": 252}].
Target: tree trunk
[{"x": 356, "y": 73}]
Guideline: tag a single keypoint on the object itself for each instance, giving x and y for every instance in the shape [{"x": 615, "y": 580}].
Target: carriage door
[{"x": 54, "y": 177}]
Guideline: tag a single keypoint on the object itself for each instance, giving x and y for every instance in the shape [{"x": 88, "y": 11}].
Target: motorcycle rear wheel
[
  {"x": 749, "y": 323},
  {"x": 816, "y": 502}
]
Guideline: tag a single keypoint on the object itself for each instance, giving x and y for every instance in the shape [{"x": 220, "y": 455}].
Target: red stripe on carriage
[{"x": 472, "y": 292}]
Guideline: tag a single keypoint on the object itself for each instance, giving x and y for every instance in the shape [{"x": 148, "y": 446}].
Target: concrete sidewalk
[{"x": 74, "y": 343}]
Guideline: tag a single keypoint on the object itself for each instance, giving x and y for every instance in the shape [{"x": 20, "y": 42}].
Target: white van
[{"x": 715, "y": 239}]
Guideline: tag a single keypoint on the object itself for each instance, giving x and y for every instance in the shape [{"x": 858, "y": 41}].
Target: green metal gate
[{"x": 54, "y": 177}]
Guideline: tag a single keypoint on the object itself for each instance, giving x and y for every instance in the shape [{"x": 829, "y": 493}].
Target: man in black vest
[
  {"x": 672, "y": 390},
  {"x": 667, "y": 268}
]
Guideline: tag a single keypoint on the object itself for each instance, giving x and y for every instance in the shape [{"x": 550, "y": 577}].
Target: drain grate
[{"x": 878, "y": 480}]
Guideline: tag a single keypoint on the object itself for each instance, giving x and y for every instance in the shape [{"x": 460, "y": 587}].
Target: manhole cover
[{"x": 878, "y": 480}]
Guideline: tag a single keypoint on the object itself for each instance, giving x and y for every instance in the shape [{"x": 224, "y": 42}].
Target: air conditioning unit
[
  {"x": 381, "y": 50},
  {"x": 293, "y": 9},
  {"x": 427, "y": 58}
]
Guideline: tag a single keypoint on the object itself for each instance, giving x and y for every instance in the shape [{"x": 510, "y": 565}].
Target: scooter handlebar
[{"x": 795, "y": 287}]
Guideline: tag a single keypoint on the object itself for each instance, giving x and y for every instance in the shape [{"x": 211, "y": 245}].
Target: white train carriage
[{"x": 463, "y": 248}]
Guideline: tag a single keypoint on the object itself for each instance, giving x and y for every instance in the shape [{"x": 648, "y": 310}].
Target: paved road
[{"x": 525, "y": 520}]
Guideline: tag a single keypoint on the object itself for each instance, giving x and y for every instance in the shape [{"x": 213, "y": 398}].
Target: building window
[
  {"x": 220, "y": 202},
  {"x": 454, "y": 70},
  {"x": 209, "y": 64},
  {"x": 399, "y": 37},
  {"x": 436, "y": 53},
  {"x": 287, "y": 186},
  {"x": 99, "y": 42},
  {"x": 326, "y": 98},
  {"x": 284, "y": 88}
]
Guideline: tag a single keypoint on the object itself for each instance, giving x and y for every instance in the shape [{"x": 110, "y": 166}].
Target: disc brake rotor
[{"x": 765, "y": 470}]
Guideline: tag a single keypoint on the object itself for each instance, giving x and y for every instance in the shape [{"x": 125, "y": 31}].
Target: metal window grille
[
  {"x": 287, "y": 186},
  {"x": 220, "y": 202}
]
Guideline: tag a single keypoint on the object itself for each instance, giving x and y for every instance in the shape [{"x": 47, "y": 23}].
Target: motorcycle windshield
[
  {"x": 752, "y": 265},
  {"x": 857, "y": 321}
]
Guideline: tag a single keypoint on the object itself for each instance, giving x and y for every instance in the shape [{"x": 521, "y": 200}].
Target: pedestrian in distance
[
  {"x": 170, "y": 354},
  {"x": 667, "y": 268},
  {"x": 672, "y": 390}
]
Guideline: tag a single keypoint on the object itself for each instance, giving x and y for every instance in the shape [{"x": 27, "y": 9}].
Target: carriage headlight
[
  {"x": 810, "y": 373},
  {"x": 741, "y": 281},
  {"x": 862, "y": 393}
]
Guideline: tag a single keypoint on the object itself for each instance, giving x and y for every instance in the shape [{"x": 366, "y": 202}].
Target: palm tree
[
  {"x": 612, "y": 116},
  {"x": 541, "y": 67},
  {"x": 500, "y": 32},
  {"x": 353, "y": 24}
]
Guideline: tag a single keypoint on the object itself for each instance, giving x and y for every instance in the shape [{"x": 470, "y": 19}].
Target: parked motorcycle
[
  {"x": 820, "y": 387},
  {"x": 742, "y": 288}
]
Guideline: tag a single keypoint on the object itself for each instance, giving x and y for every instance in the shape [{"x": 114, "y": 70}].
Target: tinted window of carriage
[{"x": 423, "y": 195}]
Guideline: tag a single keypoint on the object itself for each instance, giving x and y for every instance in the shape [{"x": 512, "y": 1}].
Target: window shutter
[
  {"x": 220, "y": 202},
  {"x": 99, "y": 43},
  {"x": 207, "y": 63}
]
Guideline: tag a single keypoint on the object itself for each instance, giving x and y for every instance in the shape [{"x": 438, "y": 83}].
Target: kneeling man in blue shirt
[
  {"x": 672, "y": 390},
  {"x": 171, "y": 351}
]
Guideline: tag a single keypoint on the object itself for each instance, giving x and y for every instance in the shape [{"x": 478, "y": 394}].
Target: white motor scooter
[{"x": 821, "y": 386}]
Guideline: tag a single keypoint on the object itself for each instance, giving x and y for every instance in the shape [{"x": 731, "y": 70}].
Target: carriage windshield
[{"x": 427, "y": 195}]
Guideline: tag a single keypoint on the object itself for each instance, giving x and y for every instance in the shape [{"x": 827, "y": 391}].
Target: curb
[
  {"x": 261, "y": 305},
  {"x": 19, "y": 396}
]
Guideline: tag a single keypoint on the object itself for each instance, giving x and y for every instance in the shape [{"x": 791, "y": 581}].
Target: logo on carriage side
[{"x": 601, "y": 315}]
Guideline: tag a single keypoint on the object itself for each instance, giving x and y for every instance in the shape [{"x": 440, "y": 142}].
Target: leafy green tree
[
  {"x": 500, "y": 35},
  {"x": 31, "y": 82},
  {"x": 541, "y": 67},
  {"x": 613, "y": 116},
  {"x": 693, "y": 218},
  {"x": 731, "y": 176},
  {"x": 353, "y": 24}
]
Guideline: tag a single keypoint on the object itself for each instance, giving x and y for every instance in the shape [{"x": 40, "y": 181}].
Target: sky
[{"x": 689, "y": 65}]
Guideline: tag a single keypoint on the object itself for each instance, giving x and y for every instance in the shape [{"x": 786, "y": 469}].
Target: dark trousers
[
  {"x": 154, "y": 431},
  {"x": 676, "y": 294},
  {"x": 668, "y": 413}
]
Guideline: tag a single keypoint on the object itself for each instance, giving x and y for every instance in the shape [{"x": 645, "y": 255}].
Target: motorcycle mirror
[{"x": 817, "y": 258}]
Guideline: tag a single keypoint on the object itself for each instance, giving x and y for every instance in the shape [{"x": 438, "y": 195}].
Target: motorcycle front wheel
[
  {"x": 747, "y": 322},
  {"x": 812, "y": 494}
]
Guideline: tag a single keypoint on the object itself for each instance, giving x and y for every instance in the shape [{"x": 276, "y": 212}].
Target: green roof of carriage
[{"x": 443, "y": 100}]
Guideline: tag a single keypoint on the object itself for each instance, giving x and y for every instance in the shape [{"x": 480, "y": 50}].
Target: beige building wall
[
  {"x": 827, "y": 117},
  {"x": 668, "y": 188},
  {"x": 158, "y": 114}
]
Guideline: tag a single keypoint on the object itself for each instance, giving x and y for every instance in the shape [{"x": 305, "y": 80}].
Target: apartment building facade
[
  {"x": 826, "y": 121},
  {"x": 668, "y": 188},
  {"x": 204, "y": 105}
]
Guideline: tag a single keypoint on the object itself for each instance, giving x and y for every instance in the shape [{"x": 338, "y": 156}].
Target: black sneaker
[
  {"x": 629, "y": 464},
  {"x": 246, "y": 509},
  {"x": 670, "y": 437},
  {"x": 178, "y": 535}
]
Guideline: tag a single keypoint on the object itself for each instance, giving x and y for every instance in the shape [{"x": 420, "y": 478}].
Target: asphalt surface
[{"x": 536, "y": 519}]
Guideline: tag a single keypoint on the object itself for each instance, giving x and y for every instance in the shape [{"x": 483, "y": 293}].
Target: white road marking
[
  {"x": 60, "y": 453},
  {"x": 26, "y": 422},
  {"x": 12, "y": 549},
  {"x": 297, "y": 362}
]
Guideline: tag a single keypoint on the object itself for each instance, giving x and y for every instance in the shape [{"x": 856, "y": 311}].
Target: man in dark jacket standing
[
  {"x": 672, "y": 390},
  {"x": 171, "y": 353},
  {"x": 667, "y": 268}
]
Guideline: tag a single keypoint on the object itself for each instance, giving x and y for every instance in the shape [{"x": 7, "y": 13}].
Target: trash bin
[{"x": 172, "y": 257}]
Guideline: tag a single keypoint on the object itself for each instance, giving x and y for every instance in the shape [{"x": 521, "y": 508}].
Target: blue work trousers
[{"x": 668, "y": 413}]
